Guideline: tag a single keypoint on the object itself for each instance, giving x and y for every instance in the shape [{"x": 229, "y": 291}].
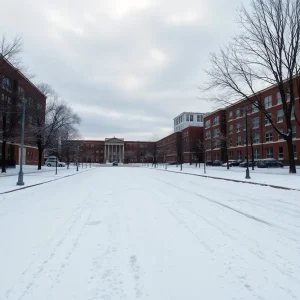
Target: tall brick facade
[
  {"x": 266, "y": 142},
  {"x": 14, "y": 87}
]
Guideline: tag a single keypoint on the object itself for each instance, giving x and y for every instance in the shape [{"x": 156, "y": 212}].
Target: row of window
[
  {"x": 255, "y": 106},
  {"x": 188, "y": 118},
  {"x": 269, "y": 153},
  {"x": 255, "y": 121},
  {"x": 256, "y": 137}
]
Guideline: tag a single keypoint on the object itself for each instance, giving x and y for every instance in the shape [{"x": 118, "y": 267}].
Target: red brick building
[
  {"x": 112, "y": 149},
  {"x": 14, "y": 87},
  {"x": 266, "y": 142},
  {"x": 185, "y": 141}
]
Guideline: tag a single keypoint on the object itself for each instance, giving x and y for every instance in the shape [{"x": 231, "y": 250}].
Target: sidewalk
[
  {"x": 276, "y": 177},
  {"x": 33, "y": 176}
]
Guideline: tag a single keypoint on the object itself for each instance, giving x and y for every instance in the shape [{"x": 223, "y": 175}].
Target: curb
[
  {"x": 41, "y": 183},
  {"x": 233, "y": 180}
]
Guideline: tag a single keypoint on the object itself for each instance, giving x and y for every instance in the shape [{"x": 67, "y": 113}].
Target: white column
[{"x": 123, "y": 150}]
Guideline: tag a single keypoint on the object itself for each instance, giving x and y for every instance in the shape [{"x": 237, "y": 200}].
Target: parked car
[
  {"x": 217, "y": 163},
  {"x": 51, "y": 162},
  {"x": 115, "y": 163},
  {"x": 269, "y": 163},
  {"x": 244, "y": 164},
  {"x": 232, "y": 163}
]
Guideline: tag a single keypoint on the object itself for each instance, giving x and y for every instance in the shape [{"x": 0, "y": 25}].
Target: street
[{"x": 138, "y": 233}]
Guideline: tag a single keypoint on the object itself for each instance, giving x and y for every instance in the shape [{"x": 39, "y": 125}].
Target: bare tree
[
  {"x": 203, "y": 146},
  {"x": 10, "y": 50},
  {"x": 129, "y": 156},
  {"x": 179, "y": 149},
  {"x": 9, "y": 110},
  {"x": 265, "y": 52},
  {"x": 58, "y": 117},
  {"x": 69, "y": 144}
]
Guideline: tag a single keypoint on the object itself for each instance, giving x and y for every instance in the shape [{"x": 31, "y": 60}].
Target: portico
[{"x": 114, "y": 150}]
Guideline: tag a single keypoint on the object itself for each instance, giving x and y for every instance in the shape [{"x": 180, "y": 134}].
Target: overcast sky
[{"x": 128, "y": 67}]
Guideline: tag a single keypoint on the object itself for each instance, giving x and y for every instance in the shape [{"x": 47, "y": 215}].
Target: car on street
[
  {"x": 269, "y": 163},
  {"x": 244, "y": 164},
  {"x": 232, "y": 163},
  {"x": 217, "y": 163},
  {"x": 51, "y": 162},
  {"x": 115, "y": 163}
]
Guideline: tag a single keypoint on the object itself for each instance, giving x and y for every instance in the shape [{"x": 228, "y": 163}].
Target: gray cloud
[{"x": 128, "y": 67}]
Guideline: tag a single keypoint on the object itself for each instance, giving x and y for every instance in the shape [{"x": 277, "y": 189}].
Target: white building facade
[{"x": 187, "y": 119}]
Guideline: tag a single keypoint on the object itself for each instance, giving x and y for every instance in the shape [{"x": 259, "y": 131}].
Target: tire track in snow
[
  {"x": 258, "y": 255},
  {"x": 42, "y": 265}
]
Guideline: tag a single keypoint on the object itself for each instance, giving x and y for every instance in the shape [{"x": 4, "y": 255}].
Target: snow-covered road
[{"x": 135, "y": 233}]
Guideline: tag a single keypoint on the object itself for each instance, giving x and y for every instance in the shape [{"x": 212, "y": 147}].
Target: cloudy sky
[{"x": 128, "y": 67}]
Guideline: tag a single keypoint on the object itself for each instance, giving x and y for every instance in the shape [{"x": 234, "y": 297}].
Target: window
[
  {"x": 216, "y": 120},
  {"x": 6, "y": 83},
  {"x": 199, "y": 118},
  {"x": 269, "y": 152},
  {"x": 239, "y": 154},
  {"x": 279, "y": 99},
  {"x": 256, "y": 154},
  {"x": 279, "y": 116},
  {"x": 293, "y": 113},
  {"x": 256, "y": 138},
  {"x": 230, "y": 115},
  {"x": 187, "y": 118},
  {"x": 207, "y": 134},
  {"x": 191, "y": 118},
  {"x": 238, "y": 112},
  {"x": 255, "y": 107},
  {"x": 269, "y": 135},
  {"x": 231, "y": 155},
  {"x": 268, "y": 101},
  {"x": 239, "y": 141},
  {"x": 230, "y": 129},
  {"x": 293, "y": 131},
  {"x": 216, "y": 132},
  {"x": 255, "y": 122},
  {"x": 295, "y": 151},
  {"x": 267, "y": 121},
  {"x": 280, "y": 137},
  {"x": 288, "y": 95},
  {"x": 280, "y": 152},
  {"x": 238, "y": 127},
  {"x": 207, "y": 123},
  {"x": 230, "y": 142},
  {"x": 21, "y": 91}
]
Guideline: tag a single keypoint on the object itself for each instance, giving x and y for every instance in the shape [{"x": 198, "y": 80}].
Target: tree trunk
[
  {"x": 291, "y": 154},
  {"x": 3, "y": 166},
  {"x": 227, "y": 159},
  {"x": 40, "y": 155},
  {"x": 252, "y": 154}
]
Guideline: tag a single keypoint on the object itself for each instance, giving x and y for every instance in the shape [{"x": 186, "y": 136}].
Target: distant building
[{"x": 188, "y": 119}]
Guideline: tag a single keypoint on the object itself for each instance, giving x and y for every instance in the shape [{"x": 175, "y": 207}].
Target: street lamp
[
  {"x": 247, "y": 151},
  {"x": 77, "y": 158},
  {"x": 20, "y": 176}
]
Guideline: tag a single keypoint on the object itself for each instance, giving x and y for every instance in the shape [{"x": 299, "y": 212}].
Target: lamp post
[
  {"x": 20, "y": 176},
  {"x": 77, "y": 158},
  {"x": 247, "y": 151}
]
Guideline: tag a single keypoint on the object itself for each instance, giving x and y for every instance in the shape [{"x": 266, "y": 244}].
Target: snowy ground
[
  {"x": 32, "y": 176},
  {"x": 276, "y": 176},
  {"x": 137, "y": 233}
]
